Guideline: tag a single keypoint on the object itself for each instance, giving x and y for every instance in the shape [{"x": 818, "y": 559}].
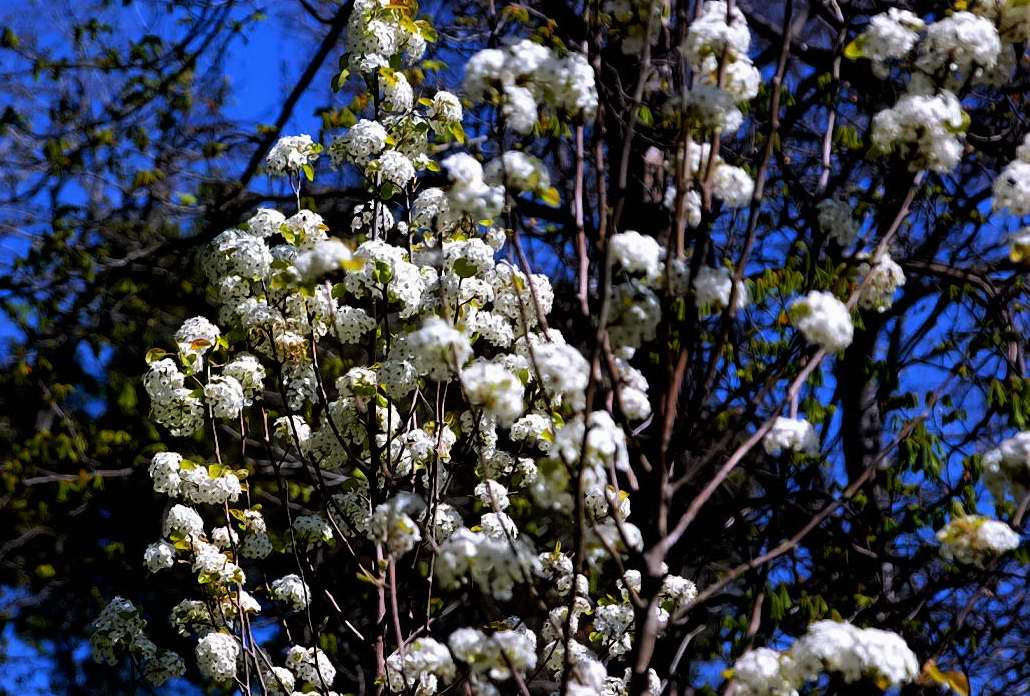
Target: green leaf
[
  {"x": 551, "y": 197},
  {"x": 463, "y": 268},
  {"x": 383, "y": 273},
  {"x": 644, "y": 115},
  {"x": 155, "y": 354},
  {"x": 9, "y": 39},
  {"x": 954, "y": 680},
  {"x": 309, "y": 172},
  {"x": 340, "y": 80},
  {"x": 854, "y": 50}
]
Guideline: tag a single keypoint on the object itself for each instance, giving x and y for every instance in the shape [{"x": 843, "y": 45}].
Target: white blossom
[
  {"x": 422, "y": 665},
  {"x": 890, "y": 36},
  {"x": 311, "y": 665},
  {"x": 711, "y": 34},
  {"x": 292, "y": 591},
  {"x": 291, "y": 154},
  {"x": 1012, "y": 186},
  {"x": 439, "y": 350},
  {"x": 321, "y": 258},
  {"x": 216, "y": 656},
  {"x": 360, "y": 144},
  {"x": 925, "y": 130},
  {"x": 225, "y": 397},
  {"x": 836, "y": 220},
  {"x": 824, "y": 320},
  {"x": 265, "y": 222},
  {"x": 793, "y": 435},
  {"x": 393, "y": 523},
  {"x": 973, "y": 539},
  {"x": 713, "y": 286},
  {"x": 854, "y": 652},
  {"x": 495, "y": 388},
  {"x": 159, "y": 556},
  {"x": 881, "y": 281},
  {"x": 958, "y": 42},
  {"x": 637, "y": 253}
]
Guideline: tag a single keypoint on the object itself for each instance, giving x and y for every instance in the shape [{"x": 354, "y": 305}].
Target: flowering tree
[{"x": 787, "y": 372}]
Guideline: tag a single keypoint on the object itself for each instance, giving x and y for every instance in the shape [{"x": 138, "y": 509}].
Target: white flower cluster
[
  {"x": 378, "y": 31},
  {"x": 955, "y": 47},
  {"x": 880, "y": 282},
  {"x": 836, "y": 221},
  {"x": 120, "y": 630},
  {"x": 824, "y": 320},
  {"x": 1012, "y": 17},
  {"x": 398, "y": 96},
  {"x": 390, "y": 151},
  {"x": 159, "y": 556},
  {"x": 217, "y": 654},
  {"x": 394, "y": 168},
  {"x": 1012, "y": 187},
  {"x": 438, "y": 350},
  {"x": 730, "y": 184},
  {"x": 310, "y": 665},
  {"x": 181, "y": 409},
  {"x": 890, "y": 37},
  {"x": 927, "y": 125},
  {"x": 424, "y": 664},
  {"x": 386, "y": 271},
  {"x": 957, "y": 44},
  {"x": 717, "y": 31},
  {"x": 393, "y": 523},
  {"x": 525, "y": 75},
  {"x": 764, "y": 672},
  {"x": 716, "y": 47},
  {"x": 445, "y": 111},
  {"x": 363, "y": 141},
  {"x": 793, "y": 435},
  {"x": 469, "y": 192},
  {"x": 323, "y": 257},
  {"x": 493, "y": 562},
  {"x": 291, "y": 154},
  {"x": 828, "y": 646},
  {"x": 292, "y": 591},
  {"x": 496, "y": 655},
  {"x": 243, "y": 253},
  {"x": 926, "y": 130},
  {"x": 171, "y": 403},
  {"x": 637, "y": 254},
  {"x": 973, "y": 539},
  {"x": 713, "y": 287},
  {"x": 495, "y": 388},
  {"x": 1006, "y": 469},
  {"x": 177, "y": 477}
]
